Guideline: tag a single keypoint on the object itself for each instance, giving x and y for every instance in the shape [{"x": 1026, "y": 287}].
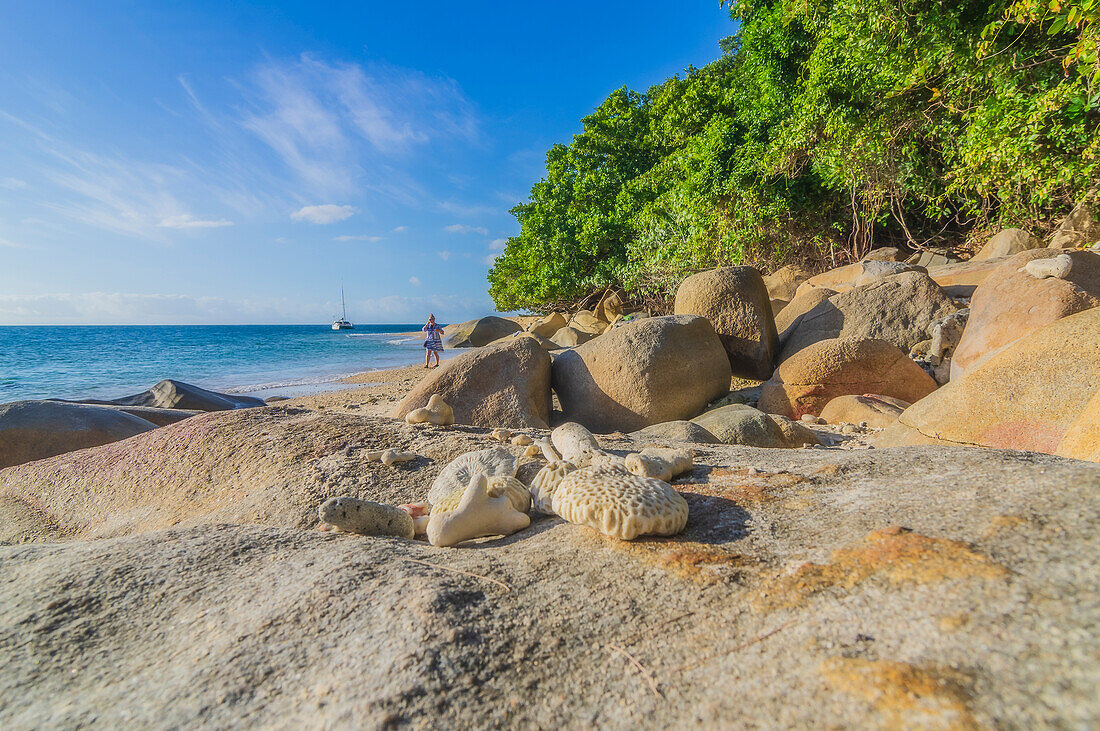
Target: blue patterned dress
[{"x": 433, "y": 341}]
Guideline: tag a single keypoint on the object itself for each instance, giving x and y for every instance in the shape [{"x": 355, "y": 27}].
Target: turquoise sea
[{"x": 75, "y": 362}]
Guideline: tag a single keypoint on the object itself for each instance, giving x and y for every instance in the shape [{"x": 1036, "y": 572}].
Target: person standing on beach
[{"x": 433, "y": 342}]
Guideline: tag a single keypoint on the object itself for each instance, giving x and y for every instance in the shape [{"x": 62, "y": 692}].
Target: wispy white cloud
[
  {"x": 323, "y": 214},
  {"x": 498, "y": 244},
  {"x": 371, "y": 239},
  {"x": 13, "y": 183},
  {"x": 490, "y": 259},
  {"x": 9, "y": 244},
  {"x": 444, "y": 255},
  {"x": 415, "y": 281},
  {"x": 186, "y": 220},
  {"x": 336, "y": 124},
  {"x": 399, "y": 229},
  {"x": 461, "y": 228}
]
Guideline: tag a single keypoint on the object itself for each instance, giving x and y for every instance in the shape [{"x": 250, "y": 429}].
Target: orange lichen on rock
[
  {"x": 740, "y": 484},
  {"x": 906, "y": 695},
  {"x": 897, "y": 554}
]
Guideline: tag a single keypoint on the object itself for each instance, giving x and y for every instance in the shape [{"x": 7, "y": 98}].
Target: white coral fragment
[
  {"x": 390, "y": 457},
  {"x": 437, "y": 412},
  {"x": 481, "y": 511},
  {"x": 619, "y": 504},
  {"x": 664, "y": 463},
  {"x": 522, "y": 440},
  {"x": 456, "y": 475},
  {"x": 501, "y": 435},
  {"x": 571, "y": 440}
]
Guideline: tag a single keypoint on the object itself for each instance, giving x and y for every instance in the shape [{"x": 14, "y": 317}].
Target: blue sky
[{"x": 231, "y": 162}]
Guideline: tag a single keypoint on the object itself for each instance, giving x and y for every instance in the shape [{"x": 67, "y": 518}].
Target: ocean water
[{"x": 104, "y": 362}]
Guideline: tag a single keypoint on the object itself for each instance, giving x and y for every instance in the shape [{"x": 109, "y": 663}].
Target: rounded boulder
[
  {"x": 33, "y": 430},
  {"x": 817, "y": 374},
  {"x": 505, "y": 384},
  {"x": 479, "y": 332},
  {"x": 736, "y": 301},
  {"x": 642, "y": 373}
]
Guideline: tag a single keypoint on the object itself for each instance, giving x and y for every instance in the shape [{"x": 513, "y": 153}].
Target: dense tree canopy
[{"x": 825, "y": 127}]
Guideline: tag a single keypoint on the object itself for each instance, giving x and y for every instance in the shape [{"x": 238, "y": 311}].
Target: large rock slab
[
  {"x": 1027, "y": 396},
  {"x": 506, "y": 384},
  {"x": 814, "y": 376},
  {"x": 171, "y": 394},
  {"x": 479, "y": 332},
  {"x": 792, "y": 596},
  {"x": 736, "y": 302},
  {"x": 658, "y": 369},
  {"x": 1010, "y": 304},
  {"x": 866, "y": 271},
  {"x": 897, "y": 309},
  {"x": 271, "y": 466},
  {"x": 31, "y": 430},
  {"x": 962, "y": 278}
]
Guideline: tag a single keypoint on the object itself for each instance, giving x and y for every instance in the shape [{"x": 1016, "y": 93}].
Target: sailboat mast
[{"x": 343, "y": 309}]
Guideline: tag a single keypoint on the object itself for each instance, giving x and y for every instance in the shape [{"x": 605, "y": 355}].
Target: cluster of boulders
[{"x": 1002, "y": 350}]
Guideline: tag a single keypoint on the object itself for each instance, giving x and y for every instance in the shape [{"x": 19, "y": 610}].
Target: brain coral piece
[
  {"x": 620, "y": 504},
  {"x": 481, "y": 511},
  {"x": 597, "y": 458},
  {"x": 546, "y": 482},
  {"x": 571, "y": 439},
  {"x": 367, "y": 518},
  {"x": 457, "y": 474},
  {"x": 437, "y": 412},
  {"x": 510, "y": 487}
]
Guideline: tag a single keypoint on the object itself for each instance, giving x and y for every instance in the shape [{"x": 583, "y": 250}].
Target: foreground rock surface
[
  {"x": 1025, "y": 397},
  {"x": 643, "y": 373},
  {"x": 505, "y": 384},
  {"x": 31, "y": 430},
  {"x": 821, "y": 588}
]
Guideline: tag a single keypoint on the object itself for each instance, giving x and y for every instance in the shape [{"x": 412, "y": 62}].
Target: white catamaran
[{"x": 342, "y": 323}]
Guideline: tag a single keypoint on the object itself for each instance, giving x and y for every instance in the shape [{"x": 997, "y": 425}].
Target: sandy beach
[{"x": 374, "y": 393}]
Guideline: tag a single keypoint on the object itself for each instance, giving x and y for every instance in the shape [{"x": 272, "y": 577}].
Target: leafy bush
[{"x": 826, "y": 127}]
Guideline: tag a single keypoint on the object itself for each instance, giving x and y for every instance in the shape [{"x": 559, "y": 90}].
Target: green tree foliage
[{"x": 825, "y": 127}]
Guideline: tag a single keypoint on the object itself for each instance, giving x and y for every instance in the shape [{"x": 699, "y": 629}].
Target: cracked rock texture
[{"x": 918, "y": 586}]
